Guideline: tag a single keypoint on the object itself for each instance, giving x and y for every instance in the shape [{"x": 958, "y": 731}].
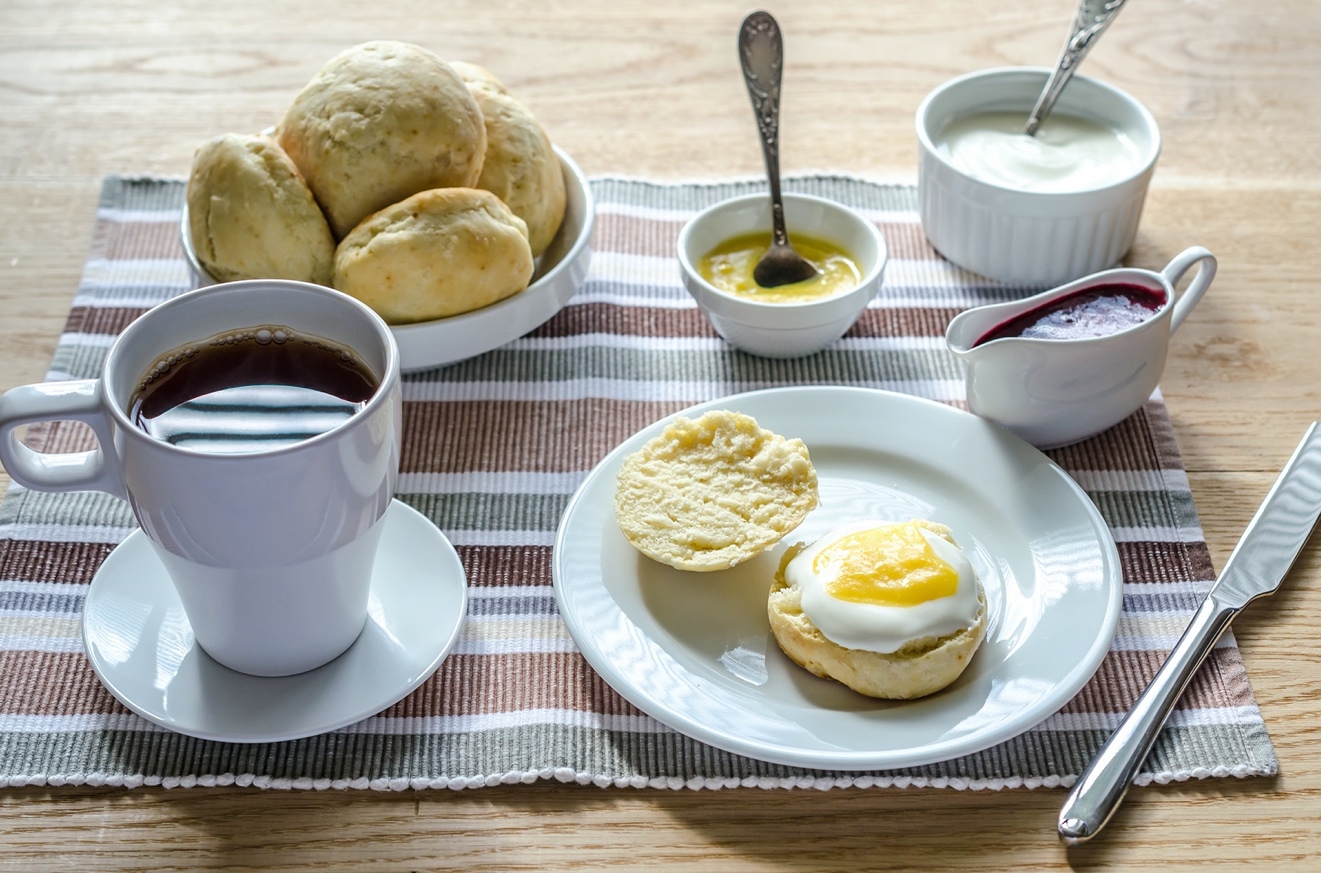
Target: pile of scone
[
  {"x": 890, "y": 609},
  {"x": 421, "y": 187}
]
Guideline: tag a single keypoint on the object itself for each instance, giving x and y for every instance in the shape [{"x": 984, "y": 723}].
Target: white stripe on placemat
[
  {"x": 139, "y": 216},
  {"x": 653, "y": 213},
  {"x": 648, "y": 391},
  {"x": 66, "y": 533},
  {"x": 501, "y": 537},
  {"x": 1132, "y": 480},
  {"x": 1211, "y": 716},
  {"x": 1158, "y": 534},
  {"x": 487, "y": 482}
]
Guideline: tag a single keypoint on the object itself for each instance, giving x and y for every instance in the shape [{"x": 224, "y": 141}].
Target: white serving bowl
[
  {"x": 1030, "y": 237},
  {"x": 782, "y": 330},
  {"x": 560, "y": 270}
]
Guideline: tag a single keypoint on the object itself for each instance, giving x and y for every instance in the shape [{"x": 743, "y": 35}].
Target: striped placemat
[{"x": 493, "y": 449}]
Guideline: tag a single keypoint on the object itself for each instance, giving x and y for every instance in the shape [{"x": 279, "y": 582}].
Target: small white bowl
[
  {"x": 782, "y": 330},
  {"x": 1030, "y": 237},
  {"x": 561, "y": 269}
]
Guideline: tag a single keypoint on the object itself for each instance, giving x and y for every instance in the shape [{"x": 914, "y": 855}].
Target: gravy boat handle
[{"x": 1175, "y": 270}]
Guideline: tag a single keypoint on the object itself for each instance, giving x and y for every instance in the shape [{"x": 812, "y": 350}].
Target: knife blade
[{"x": 1256, "y": 567}]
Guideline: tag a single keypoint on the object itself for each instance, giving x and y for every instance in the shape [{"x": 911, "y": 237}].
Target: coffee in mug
[{"x": 250, "y": 389}]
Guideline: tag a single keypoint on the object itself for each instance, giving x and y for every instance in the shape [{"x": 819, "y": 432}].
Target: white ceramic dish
[
  {"x": 1030, "y": 237},
  {"x": 142, "y": 648},
  {"x": 695, "y": 651},
  {"x": 561, "y": 269},
  {"x": 782, "y": 330}
]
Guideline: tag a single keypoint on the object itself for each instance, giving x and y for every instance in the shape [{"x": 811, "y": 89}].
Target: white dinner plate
[
  {"x": 695, "y": 650},
  {"x": 142, "y": 648},
  {"x": 561, "y": 269}
]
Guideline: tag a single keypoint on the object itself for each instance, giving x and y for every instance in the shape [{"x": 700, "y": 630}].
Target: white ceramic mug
[
  {"x": 1053, "y": 392},
  {"x": 271, "y": 551}
]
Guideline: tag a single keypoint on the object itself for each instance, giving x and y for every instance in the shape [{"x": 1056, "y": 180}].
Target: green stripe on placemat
[{"x": 516, "y": 702}]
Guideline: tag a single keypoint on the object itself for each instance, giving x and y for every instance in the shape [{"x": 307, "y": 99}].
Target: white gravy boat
[{"x": 1053, "y": 392}]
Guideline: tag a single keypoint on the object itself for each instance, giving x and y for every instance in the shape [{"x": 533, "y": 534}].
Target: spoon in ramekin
[{"x": 1089, "y": 22}]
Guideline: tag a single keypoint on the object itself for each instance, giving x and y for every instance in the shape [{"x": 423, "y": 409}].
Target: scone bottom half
[
  {"x": 922, "y": 667},
  {"x": 710, "y": 493}
]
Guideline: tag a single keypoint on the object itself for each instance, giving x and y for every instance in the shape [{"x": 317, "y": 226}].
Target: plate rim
[
  {"x": 853, "y": 761},
  {"x": 460, "y": 606}
]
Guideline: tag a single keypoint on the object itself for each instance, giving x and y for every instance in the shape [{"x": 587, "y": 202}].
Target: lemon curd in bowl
[
  {"x": 729, "y": 267},
  {"x": 793, "y": 326}
]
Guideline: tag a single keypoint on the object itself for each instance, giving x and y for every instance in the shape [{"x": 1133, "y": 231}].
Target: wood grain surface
[{"x": 652, "y": 89}]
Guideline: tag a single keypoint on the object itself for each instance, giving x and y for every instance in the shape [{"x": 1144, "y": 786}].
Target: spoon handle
[
  {"x": 761, "y": 52},
  {"x": 1090, "y": 21}
]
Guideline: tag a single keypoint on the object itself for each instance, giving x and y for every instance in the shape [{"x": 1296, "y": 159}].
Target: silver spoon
[
  {"x": 1089, "y": 22},
  {"x": 761, "y": 52}
]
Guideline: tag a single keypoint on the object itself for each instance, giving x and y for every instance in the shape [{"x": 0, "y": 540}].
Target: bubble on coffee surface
[{"x": 250, "y": 389}]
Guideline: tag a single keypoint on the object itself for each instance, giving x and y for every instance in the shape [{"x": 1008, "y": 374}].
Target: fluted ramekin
[{"x": 1030, "y": 237}]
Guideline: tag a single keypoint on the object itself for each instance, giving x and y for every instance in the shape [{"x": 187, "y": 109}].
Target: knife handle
[{"x": 1103, "y": 784}]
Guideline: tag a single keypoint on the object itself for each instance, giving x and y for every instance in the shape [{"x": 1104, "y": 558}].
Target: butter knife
[{"x": 1255, "y": 568}]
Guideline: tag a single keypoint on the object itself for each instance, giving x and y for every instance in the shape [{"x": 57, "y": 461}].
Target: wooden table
[{"x": 652, "y": 89}]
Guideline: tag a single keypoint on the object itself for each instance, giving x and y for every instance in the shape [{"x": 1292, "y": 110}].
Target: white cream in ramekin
[{"x": 999, "y": 214}]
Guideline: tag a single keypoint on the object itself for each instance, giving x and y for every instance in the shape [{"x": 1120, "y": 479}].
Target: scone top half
[{"x": 712, "y": 492}]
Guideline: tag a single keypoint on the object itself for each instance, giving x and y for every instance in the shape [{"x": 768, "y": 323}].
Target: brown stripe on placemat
[
  {"x": 505, "y": 565},
  {"x": 1124, "y": 675},
  {"x": 902, "y": 321},
  {"x": 77, "y": 562},
  {"x": 636, "y": 235},
  {"x": 51, "y": 683},
  {"x": 144, "y": 240},
  {"x": 62, "y": 683},
  {"x": 906, "y": 241},
  {"x": 1160, "y": 429},
  {"x": 517, "y": 435},
  {"x": 53, "y": 562},
  {"x": 1233, "y": 676},
  {"x": 1130, "y": 445},
  {"x": 657, "y": 321},
  {"x": 1165, "y": 562},
  {"x": 58, "y": 437},
  {"x": 108, "y": 320},
  {"x": 658, "y": 237},
  {"x": 609, "y": 318},
  {"x": 509, "y": 683}
]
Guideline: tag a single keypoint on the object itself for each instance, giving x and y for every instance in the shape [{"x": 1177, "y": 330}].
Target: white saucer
[{"x": 141, "y": 645}]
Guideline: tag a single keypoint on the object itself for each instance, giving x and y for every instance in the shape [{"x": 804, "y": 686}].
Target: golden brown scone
[
  {"x": 436, "y": 254},
  {"x": 475, "y": 77},
  {"x": 921, "y": 667},
  {"x": 379, "y": 123},
  {"x": 520, "y": 166},
  {"x": 709, "y": 493},
  {"x": 251, "y": 215}
]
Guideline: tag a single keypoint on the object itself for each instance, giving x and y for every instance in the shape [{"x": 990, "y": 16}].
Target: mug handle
[
  {"x": 1174, "y": 271},
  {"x": 78, "y": 400}
]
